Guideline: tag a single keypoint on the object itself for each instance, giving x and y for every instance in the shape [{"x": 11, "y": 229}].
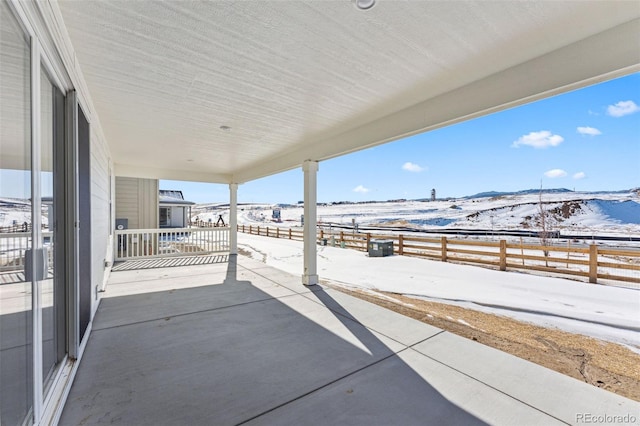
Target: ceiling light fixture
[
  {"x": 225, "y": 128},
  {"x": 364, "y": 4}
]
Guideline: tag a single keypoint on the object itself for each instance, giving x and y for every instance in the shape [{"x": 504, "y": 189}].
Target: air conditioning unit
[{"x": 122, "y": 224}]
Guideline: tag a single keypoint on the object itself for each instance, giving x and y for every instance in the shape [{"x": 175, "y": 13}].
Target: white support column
[
  {"x": 233, "y": 218},
  {"x": 310, "y": 169}
]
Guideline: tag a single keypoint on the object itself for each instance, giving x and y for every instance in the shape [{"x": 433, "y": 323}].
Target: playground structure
[{"x": 209, "y": 223}]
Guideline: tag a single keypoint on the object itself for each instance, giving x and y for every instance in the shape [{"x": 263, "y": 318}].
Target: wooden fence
[
  {"x": 274, "y": 232},
  {"x": 23, "y": 227},
  {"x": 590, "y": 262}
]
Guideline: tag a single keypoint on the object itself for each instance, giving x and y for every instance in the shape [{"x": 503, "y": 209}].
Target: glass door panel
[
  {"x": 51, "y": 283},
  {"x": 16, "y": 315}
]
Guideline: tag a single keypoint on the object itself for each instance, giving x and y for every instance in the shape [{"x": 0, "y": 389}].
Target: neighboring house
[
  {"x": 140, "y": 204},
  {"x": 174, "y": 210}
]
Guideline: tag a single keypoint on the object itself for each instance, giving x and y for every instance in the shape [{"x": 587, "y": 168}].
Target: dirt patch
[
  {"x": 606, "y": 365},
  {"x": 391, "y": 223},
  {"x": 248, "y": 253}
]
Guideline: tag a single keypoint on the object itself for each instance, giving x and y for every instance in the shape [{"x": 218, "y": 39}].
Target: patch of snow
[{"x": 604, "y": 312}]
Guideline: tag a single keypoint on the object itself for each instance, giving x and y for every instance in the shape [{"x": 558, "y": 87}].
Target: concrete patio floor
[{"x": 239, "y": 342}]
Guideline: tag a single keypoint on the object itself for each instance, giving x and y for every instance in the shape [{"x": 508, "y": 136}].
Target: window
[{"x": 165, "y": 216}]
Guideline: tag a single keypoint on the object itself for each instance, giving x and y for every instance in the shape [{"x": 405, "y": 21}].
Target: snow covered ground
[
  {"x": 610, "y": 213},
  {"x": 603, "y": 312},
  {"x": 14, "y": 212}
]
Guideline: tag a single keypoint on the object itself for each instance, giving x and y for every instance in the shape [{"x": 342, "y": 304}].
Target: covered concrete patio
[{"x": 238, "y": 342}]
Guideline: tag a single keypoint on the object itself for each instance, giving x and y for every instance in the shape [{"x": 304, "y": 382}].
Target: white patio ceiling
[{"x": 298, "y": 80}]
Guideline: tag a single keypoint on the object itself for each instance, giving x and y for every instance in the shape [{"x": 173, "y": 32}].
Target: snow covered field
[
  {"x": 603, "y": 312},
  {"x": 610, "y": 213}
]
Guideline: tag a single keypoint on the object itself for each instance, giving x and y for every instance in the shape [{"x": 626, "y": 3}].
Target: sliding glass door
[
  {"x": 33, "y": 287},
  {"x": 16, "y": 219}
]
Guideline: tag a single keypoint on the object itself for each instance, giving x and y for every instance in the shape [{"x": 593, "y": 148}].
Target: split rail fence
[{"x": 590, "y": 262}]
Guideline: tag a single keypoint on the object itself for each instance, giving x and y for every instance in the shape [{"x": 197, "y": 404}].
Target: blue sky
[{"x": 587, "y": 140}]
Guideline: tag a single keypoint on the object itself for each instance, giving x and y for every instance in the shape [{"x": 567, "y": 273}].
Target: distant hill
[{"x": 490, "y": 194}]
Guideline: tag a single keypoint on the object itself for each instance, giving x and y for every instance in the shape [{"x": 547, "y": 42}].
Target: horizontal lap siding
[{"x": 100, "y": 218}]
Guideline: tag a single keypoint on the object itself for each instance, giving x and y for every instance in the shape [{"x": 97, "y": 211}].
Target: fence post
[
  {"x": 321, "y": 233},
  {"x": 289, "y": 233},
  {"x": 443, "y": 243},
  {"x": 593, "y": 263},
  {"x": 277, "y": 232},
  {"x": 250, "y": 230},
  {"x": 267, "y": 231},
  {"x": 341, "y": 236},
  {"x": 243, "y": 228},
  {"x": 401, "y": 244},
  {"x": 368, "y": 241},
  {"x": 503, "y": 255}
]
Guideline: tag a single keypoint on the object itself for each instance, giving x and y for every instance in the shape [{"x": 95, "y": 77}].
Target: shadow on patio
[
  {"x": 169, "y": 262},
  {"x": 242, "y": 342}
]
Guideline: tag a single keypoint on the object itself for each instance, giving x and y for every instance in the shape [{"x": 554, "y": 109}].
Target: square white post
[
  {"x": 233, "y": 218},
  {"x": 310, "y": 169}
]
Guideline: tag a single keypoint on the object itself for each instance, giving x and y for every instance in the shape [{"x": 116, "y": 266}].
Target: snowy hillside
[
  {"x": 613, "y": 213},
  {"x": 14, "y": 212}
]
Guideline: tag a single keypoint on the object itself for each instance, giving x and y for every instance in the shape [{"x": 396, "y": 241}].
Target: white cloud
[
  {"x": 590, "y": 131},
  {"x": 541, "y": 139},
  {"x": 411, "y": 167},
  {"x": 579, "y": 175},
  {"x": 555, "y": 173},
  {"x": 361, "y": 189},
  {"x": 622, "y": 108}
]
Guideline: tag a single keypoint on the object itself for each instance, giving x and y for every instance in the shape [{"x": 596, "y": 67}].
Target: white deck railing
[
  {"x": 13, "y": 246},
  {"x": 151, "y": 243}
]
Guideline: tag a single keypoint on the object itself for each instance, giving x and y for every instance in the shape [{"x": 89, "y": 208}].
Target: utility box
[{"x": 380, "y": 248}]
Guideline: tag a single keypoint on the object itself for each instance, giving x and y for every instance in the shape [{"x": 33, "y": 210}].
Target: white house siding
[
  {"x": 101, "y": 240},
  {"x": 137, "y": 200},
  {"x": 177, "y": 217}
]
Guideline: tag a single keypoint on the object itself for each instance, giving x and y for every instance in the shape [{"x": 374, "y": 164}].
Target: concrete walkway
[{"x": 240, "y": 342}]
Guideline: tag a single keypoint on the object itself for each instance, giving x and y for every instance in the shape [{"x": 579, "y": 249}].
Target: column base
[{"x": 310, "y": 280}]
